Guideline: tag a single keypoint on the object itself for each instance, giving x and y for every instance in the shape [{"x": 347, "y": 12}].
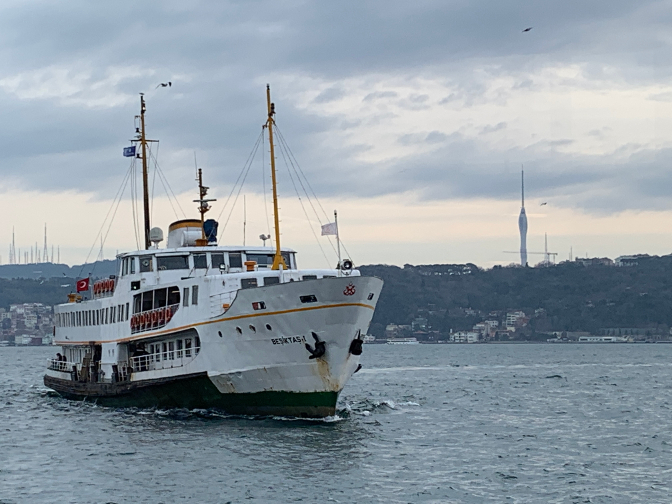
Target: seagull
[
  {"x": 168, "y": 84},
  {"x": 543, "y": 203},
  {"x": 528, "y": 29}
]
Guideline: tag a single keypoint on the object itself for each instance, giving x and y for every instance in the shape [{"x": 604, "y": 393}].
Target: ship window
[
  {"x": 171, "y": 350},
  {"x": 127, "y": 312},
  {"x": 235, "y": 260},
  {"x": 286, "y": 257},
  {"x": 157, "y": 351},
  {"x": 262, "y": 260},
  {"x": 173, "y": 296},
  {"x": 160, "y": 296},
  {"x": 309, "y": 277},
  {"x": 113, "y": 314},
  {"x": 308, "y": 299},
  {"x": 197, "y": 343},
  {"x": 147, "y": 300},
  {"x": 124, "y": 266},
  {"x": 268, "y": 326},
  {"x": 146, "y": 264},
  {"x": 179, "y": 348},
  {"x": 252, "y": 328},
  {"x": 239, "y": 330},
  {"x": 194, "y": 295},
  {"x": 107, "y": 312},
  {"x": 172, "y": 263},
  {"x": 248, "y": 283},
  {"x": 131, "y": 261},
  {"x": 270, "y": 280},
  {"x": 187, "y": 347},
  {"x": 165, "y": 351},
  {"x": 217, "y": 260},
  {"x": 185, "y": 298},
  {"x": 200, "y": 261}
]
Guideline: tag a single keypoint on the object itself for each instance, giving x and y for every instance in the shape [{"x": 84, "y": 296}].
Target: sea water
[{"x": 419, "y": 423}]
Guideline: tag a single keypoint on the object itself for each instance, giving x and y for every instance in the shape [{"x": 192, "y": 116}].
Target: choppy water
[{"x": 422, "y": 423}]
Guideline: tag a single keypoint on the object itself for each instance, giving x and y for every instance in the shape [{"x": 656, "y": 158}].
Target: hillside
[
  {"x": 572, "y": 297},
  {"x": 567, "y": 297}
]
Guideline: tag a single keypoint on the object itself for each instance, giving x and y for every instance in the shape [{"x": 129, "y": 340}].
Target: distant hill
[
  {"x": 50, "y": 270},
  {"x": 570, "y": 296},
  {"x": 566, "y": 297}
]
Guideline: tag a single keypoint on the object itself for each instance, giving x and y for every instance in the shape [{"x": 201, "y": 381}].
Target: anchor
[
  {"x": 356, "y": 345},
  {"x": 320, "y": 348}
]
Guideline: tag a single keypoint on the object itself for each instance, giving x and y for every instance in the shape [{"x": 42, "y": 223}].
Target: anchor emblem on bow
[{"x": 349, "y": 290}]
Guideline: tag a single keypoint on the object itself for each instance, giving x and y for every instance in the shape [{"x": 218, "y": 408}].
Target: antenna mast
[
  {"x": 278, "y": 260},
  {"x": 202, "y": 207},
  {"x": 145, "y": 183}
]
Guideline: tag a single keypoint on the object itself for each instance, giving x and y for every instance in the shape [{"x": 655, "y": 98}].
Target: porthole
[
  {"x": 370, "y": 296},
  {"x": 223, "y": 283},
  {"x": 268, "y": 327},
  {"x": 220, "y": 333},
  {"x": 239, "y": 330},
  {"x": 252, "y": 328}
]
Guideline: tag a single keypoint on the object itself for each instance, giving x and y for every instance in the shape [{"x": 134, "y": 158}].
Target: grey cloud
[
  {"x": 432, "y": 137},
  {"x": 377, "y": 95},
  {"x": 330, "y": 94},
  {"x": 491, "y": 128},
  {"x": 223, "y": 52}
]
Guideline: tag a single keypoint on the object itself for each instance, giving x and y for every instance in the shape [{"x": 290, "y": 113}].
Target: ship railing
[
  {"x": 152, "y": 319},
  {"x": 60, "y": 365},
  {"x": 164, "y": 360}
]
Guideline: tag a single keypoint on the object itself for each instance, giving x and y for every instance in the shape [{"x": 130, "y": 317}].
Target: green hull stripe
[{"x": 197, "y": 391}]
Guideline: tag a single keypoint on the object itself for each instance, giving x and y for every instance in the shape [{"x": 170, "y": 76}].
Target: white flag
[{"x": 329, "y": 229}]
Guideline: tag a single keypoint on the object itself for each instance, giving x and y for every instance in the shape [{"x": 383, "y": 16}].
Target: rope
[
  {"x": 233, "y": 188},
  {"x": 263, "y": 182},
  {"x": 99, "y": 234},
  {"x": 282, "y": 152}
]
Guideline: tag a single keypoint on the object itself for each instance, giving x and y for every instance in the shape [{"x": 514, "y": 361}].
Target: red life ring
[
  {"x": 162, "y": 316},
  {"x": 133, "y": 322},
  {"x": 142, "y": 321},
  {"x": 155, "y": 317},
  {"x": 108, "y": 287},
  {"x": 111, "y": 285},
  {"x": 95, "y": 288},
  {"x": 169, "y": 314}
]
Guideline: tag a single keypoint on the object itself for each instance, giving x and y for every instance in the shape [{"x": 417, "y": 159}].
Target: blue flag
[{"x": 129, "y": 151}]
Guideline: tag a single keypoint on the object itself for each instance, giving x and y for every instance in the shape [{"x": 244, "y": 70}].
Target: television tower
[{"x": 522, "y": 222}]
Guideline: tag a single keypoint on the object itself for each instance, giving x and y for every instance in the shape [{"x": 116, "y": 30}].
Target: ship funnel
[{"x": 184, "y": 233}]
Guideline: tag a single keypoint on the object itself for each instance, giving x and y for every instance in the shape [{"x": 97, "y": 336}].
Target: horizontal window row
[{"x": 100, "y": 316}]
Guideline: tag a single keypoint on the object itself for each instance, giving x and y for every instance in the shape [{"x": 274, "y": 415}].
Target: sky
[{"x": 412, "y": 119}]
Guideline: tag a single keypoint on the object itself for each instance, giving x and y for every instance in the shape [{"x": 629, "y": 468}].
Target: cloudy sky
[{"x": 411, "y": 118}]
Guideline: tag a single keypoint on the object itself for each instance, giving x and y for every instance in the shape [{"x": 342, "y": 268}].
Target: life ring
[
  {"x": 142, "y": 320},
  {"x": 133, "y": 323},
  {"x": 162, "y": 316},
  {"x": 108, "y": 287},
  {"x": 112, "y": 285},
  {"x": 96, "y": 288},
  {"x": 169, "y": 314},
  {"x": 155, "y": 317}
]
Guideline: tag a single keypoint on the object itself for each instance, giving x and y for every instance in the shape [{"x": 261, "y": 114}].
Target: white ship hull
[{"x": 250, "y": 361}]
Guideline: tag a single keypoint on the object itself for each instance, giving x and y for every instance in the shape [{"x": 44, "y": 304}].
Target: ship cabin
[{"x": 127, "y": 318}]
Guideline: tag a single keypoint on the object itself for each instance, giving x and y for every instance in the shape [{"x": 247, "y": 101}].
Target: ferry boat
[{"x": 199, "y": 325}]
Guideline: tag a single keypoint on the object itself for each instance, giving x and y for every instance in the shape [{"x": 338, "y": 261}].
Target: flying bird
[
  {"x": 528, "y": 29},
  {"x": 168, "y": 84},
  {"x": 543, "y": 203}
]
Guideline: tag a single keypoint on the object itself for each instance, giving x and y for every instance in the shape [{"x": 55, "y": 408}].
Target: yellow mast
[
  {"x": 277, "y": 259},
  {"x": 145, "y": 184}
]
